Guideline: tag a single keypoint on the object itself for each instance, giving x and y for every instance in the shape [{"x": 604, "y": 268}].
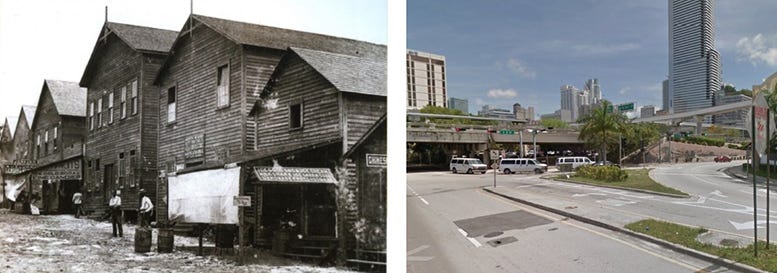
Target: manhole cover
[
  {"x": 502, "y": 241},
  {"x": 493, "y": 234}
]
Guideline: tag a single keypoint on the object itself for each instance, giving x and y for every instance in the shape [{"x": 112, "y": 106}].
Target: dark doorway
[
  {"x": 108, "y": 183},
  {"x": 66, "y": 190}
]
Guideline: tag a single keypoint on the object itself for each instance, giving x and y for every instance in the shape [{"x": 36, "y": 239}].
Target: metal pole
[
  {"x": 755, "y": 204},
  {"x": 620, "y": 149},
  {"x": 768, "y": 171},
  {"x": 534, "y": 143},
  {"x": 520, "y": 138}
]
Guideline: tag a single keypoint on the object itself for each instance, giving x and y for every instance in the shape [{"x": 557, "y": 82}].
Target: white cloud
[
  {"x": 502, "y": 93},
  {"x": 479, "y": 102},
  {"x": 758, "y": 49},
  {"x": 624, "y": 90},
  {"x": 521, "y": 69}
]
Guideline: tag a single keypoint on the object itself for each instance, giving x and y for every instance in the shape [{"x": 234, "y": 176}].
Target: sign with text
[
  {"x": 19, "y": 166},
  {"x": 242, "y": 201},
  {"x": 70, "y": 170},
  {"x": 294, "y": 175},
  {"x": 376, "y": 160},
  {"x": 194, "y": 148}
]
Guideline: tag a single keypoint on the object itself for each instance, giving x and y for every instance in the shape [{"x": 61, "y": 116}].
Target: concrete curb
[
  {"x": 618, "y": 188},
  {"x": 676, "y": 247}
]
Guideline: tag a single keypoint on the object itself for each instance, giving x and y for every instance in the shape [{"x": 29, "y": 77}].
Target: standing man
[
  {"x": 77, "y": 203},
  {"x": 145, "y": 209},
  {"x": 116, "y": 219}
]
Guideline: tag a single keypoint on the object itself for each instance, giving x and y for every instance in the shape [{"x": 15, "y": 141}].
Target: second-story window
[
  {"x": 46, "y": 142},
  {"x": 99, "y": 112},
  {"x": 171, "y": 104},
  {"x": 123, "y": 99},
  {"x": 37, "y": 146},
  {"x": 110, "y": 108},
  {"x": 134, "y": 96},
  {"x": 122, "y": 169},
  {"x": 54, "y": 142},
  {"x": 91, "y": 115},
  {"x": 222, "y": 86},
  {"x": 295, "y": 116}
]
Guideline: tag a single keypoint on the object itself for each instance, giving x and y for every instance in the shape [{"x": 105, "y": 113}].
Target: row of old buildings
[{"x": 222, "y": 122}]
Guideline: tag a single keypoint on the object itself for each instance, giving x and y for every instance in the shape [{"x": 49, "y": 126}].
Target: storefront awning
[{"x": 294, "y": 175}]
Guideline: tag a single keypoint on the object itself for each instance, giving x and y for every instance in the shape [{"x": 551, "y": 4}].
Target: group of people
[{"x": 117, "y": 215}]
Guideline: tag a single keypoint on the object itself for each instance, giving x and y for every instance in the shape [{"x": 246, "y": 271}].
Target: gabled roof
[
  {"x": 279, "y": 38},
  {"x": 11, "y": 122},
  {"x": 69, "y": 98},
  {"x": 380, "y": 122},
  {"x": 29, "y": 114},
  {"x": 139, "y": 38},
  {"x": 347, "y": 73}
]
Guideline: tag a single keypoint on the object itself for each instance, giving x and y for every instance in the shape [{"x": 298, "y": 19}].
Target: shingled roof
[
  {"x": 279, "y": 38},
  {"x": 348, "y": 73},
  {"x": 69, "y": 98},
  {"x": 139, "y": 38}
]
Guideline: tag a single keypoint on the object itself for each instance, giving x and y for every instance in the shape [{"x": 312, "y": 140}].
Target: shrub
[
  {"x": 706, "y": 141},
  {"x": 604, "y": 173}
]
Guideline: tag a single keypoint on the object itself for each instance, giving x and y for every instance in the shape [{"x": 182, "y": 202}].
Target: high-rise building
[
  {"x": 459, "y": 104},
  {"x": 425, "y": 80},
  {"x": 530, "y": 113},
  {"x": 491, "y": 111},
  {"x": 694, "y": 64},
  {"x": 736, "y": 118},
  {"x": 519, "y": 112},
  {"x": 595, "y": 91},
  {"x": 647, "y": 111},
  {"x": 570, "y": 100},
  {"x": 666, "y": 96}
]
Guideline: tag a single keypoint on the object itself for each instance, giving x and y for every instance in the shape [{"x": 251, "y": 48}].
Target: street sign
[
  {"x": 242, "y": 201},
  {"x": 626, "y": 107},
  {"x": 760, "y": 106},
  {"x": 376, "y": 160},
  {"x": 507, "y": 132},
  {"x": 494, "y": 154}
]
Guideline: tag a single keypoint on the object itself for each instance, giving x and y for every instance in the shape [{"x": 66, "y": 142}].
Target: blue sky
[{"x": 500, "y": 52}]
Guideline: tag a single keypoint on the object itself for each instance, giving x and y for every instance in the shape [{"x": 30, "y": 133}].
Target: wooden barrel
[
  {"x": 142, "y": 240},
  {"x": 165, "y": 240}
]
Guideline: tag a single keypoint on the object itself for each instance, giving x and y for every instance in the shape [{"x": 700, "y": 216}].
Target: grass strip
[
  {"x": 638, "y": 179},
  {"x": 686, "y": 236}
]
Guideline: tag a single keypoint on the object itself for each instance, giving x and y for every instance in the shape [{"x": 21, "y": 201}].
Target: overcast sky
[
  {"x": 47, "y": 39},
  {"x": 502, "y": 52}
]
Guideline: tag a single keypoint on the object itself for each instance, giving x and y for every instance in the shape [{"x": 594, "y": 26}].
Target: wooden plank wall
[
  {"x": 362, "y": 111},
  {"x": 259, "y": 66}
]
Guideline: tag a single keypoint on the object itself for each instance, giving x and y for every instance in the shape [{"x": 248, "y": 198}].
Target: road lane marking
[
  {"x": 416, "y": 195},
  {"x": 558, "y": 219},
  {"x": 411, "y": 258},
  {"x": 470, "y": 239}
]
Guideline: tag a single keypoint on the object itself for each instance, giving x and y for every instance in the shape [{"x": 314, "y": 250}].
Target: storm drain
[{"x": 502, "y": 241}]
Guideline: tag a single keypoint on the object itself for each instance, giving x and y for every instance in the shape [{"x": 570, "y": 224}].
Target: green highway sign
[
  {"x": 626, "y": 107},
  {"x": 506, "y": 132}
]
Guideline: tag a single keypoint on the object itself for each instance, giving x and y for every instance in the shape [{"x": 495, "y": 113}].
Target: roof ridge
[{"x": 140, "y": 26}]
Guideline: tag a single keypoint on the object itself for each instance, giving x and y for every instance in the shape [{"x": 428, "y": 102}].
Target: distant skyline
[
  {"x": 47, "y": 39},
  {"x": 502, "y": 52}
]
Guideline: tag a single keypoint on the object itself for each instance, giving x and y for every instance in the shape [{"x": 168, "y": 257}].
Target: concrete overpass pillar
[{"x": 698, "y": 124}]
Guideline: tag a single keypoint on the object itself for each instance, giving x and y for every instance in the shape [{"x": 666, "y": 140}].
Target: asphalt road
[{"x": 453, "y": 226}]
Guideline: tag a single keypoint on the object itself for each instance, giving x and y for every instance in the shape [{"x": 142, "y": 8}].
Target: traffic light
[
  {"x": 460, "y": 129},
  {"x": 491, "y": 131}
]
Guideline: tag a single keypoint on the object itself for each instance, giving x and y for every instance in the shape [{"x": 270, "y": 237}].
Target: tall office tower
[
  {"x": 458, "y": 104},
  {"x": 592, "y": 85},
  {"x": 694, "y": 65},
  {"x": 569, "y": 100},
  {"x": 666, "y": 106},
  {"x": 519, "y": 112},
  {"x": 425, "y": 80},
  {"x": 530, "y": 113}
]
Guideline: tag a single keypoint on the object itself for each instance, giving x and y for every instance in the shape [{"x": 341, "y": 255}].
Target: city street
[
  {"x": 453, "y": 225},
  {"x": 62, "y": 243}
]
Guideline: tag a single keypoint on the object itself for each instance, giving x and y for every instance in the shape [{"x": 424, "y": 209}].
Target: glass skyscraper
[{"x": 694, "y": 64}]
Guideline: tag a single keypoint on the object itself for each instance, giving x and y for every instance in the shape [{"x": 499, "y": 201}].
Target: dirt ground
[{"x": 62, "y": 243}]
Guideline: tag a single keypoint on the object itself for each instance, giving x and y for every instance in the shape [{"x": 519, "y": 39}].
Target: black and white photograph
[{"x": 193, "y": 136}]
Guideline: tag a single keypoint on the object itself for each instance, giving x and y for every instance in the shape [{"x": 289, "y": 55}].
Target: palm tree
[{"x": 601, "y": 126}]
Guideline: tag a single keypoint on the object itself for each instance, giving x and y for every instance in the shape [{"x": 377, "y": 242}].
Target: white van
[
  {"x": 514, "y": 165},
  {"x": 467, "y": 165},
  {"x": 576, "y": 161}
]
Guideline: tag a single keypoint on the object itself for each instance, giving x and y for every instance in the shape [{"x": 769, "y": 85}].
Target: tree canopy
[{"x": 602, "y": 127}]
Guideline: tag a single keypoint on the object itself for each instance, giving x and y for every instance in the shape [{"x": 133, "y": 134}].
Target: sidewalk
[
  {"x": 615, "y": 221},
  {"x": 760, "y": 181}
]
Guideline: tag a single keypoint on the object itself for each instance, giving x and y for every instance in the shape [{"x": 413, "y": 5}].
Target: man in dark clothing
[
  {"x": 116, "y": 219},
  {"x": 77, "y": 203}
]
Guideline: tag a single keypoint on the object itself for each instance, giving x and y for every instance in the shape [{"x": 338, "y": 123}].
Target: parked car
[
  {"x": 467, "y": 165},
  {"x": 514, "y": 165},
  {"x": 722, "y": 158},
  {"x": 575, "y": 161}
]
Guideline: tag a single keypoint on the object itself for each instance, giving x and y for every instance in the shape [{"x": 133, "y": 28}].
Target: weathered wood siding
[
  {"x": 115, "y": 68},
  {"x": 298, "y": 82},
  {"x": 21, "y": 138},
  {"x": 146, "y": 160},
  {"x": 193, "y": 69},
  {"x": 361, "y": 113},
  {"x": 259, "y": 66}
]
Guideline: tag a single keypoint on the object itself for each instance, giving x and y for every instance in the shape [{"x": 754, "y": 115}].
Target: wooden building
[
  {"x": 57, "y": 134},
  {"x": 6, "y": 138},
  {"x": 316, "y": 111},
  {"x": 15, "y": 171},
  {"x": 122, "y": 114},
  {"x": 216, "y": 74}
]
